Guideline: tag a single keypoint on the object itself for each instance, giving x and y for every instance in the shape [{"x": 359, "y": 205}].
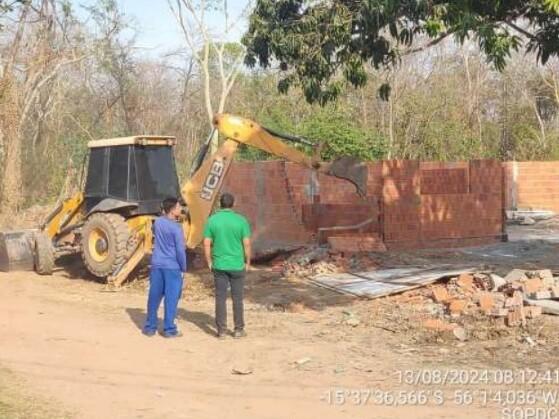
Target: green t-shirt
[{"x": 227, "y": 229}]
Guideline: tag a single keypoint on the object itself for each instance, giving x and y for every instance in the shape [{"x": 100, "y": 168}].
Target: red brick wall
[
  {"x": 413, "y": 204},
  {"x": 401, "y": 202},
  {"x": 271, "y": 201},
  {"x": 532, "y": 185},
  {"x": 462, "y": 204}
]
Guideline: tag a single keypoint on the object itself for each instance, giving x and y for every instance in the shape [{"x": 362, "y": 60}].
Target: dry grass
[{"x": 17, "y": 403}]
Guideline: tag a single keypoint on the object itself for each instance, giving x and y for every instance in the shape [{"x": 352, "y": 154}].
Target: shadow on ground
[
  {"x": 271, "y": 290},
  {"x": 199, "y": 319},
  {"x": 72, "y": 267}
]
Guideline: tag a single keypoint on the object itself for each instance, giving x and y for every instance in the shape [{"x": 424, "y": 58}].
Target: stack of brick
[{"x": 530, "y": 286}]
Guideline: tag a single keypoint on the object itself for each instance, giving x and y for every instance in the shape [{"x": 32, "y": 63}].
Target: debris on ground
[
  {"x": 318, "y": 260},
  {"x": 241, "y": 370},
  {"x": 459, "y": 304},
  {"x": 303, "y": 361},
  {"x": 351, "y": 319},
  {"x": 466, "y": 302},
  {"x": 529, "y": 217}
]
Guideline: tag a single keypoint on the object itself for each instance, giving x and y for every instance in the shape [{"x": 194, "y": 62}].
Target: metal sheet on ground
[
  {"x": 380, "y": 283},
  {"x": 548, "y": 306}
]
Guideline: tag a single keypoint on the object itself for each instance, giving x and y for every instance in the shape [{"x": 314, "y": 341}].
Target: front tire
[
  {"x": 104, "y": 243},
  {"x": 44, "y": 254}
]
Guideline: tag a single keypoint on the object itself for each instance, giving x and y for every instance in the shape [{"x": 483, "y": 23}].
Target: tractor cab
[{"x": 131, "y": 175}]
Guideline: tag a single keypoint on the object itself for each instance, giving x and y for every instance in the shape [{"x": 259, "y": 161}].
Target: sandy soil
[
  {"x": 81, "y": 348},
  {"x": 68, "y": 345}
]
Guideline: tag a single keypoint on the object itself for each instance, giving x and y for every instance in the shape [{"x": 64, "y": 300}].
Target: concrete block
[
  {"x": 540, "y": 295},
  {"x": 516, "y": 275},
  {"x": 546, "y": 275}
]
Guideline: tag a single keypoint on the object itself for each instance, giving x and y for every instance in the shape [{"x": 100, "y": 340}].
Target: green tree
[
  {"x": 342, "y": 137},
  {"x": 315, "y": 42}
]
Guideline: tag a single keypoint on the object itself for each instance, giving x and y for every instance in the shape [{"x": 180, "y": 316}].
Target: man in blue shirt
[{"x": 168, "y": 263}]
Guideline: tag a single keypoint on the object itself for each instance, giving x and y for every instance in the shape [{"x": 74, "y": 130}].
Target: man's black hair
[
  {"x": 226, "y": 200},
  {"x": 168, "y": 204}
]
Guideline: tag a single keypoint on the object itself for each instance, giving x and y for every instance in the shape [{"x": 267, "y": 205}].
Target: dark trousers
[
  {"x": 224, "y": 279},
  {"x": 163, "y": 283}
]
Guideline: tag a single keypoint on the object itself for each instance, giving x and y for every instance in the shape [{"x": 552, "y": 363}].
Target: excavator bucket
[
  {"x": 351, "y": 169},
  {"x": 17, "y": 250}
]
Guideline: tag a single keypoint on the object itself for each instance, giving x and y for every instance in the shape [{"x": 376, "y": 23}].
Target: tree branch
[
  {"x": 519, "y": 29},
  {"x": 40, "y": 84},
  {"x": 427, "y": 45}
]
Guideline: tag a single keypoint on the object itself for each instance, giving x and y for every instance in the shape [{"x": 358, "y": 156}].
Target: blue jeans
[{"x": 163, "y": 283}]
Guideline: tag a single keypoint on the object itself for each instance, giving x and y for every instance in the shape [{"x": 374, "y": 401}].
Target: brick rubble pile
[
  {"x": 510, "y": 298},
  {"x": 322, "y": 260}
]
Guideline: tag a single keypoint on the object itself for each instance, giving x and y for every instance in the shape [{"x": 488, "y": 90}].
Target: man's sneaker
[
  {"x": 220, "y": 335},
  {"x": 148, "y": 333},
  {"x": 172, "y": 335},
  {"x": 239, "y": 334}
]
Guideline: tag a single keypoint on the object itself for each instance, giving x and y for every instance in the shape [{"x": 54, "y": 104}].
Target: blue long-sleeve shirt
[{"x": 169, "y": 251}]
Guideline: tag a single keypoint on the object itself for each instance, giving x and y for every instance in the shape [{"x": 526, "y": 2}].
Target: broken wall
[{"x": 409, "y": 204}]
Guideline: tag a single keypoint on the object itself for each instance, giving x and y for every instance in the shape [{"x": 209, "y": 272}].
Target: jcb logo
[{"x": 213, "y": 179}]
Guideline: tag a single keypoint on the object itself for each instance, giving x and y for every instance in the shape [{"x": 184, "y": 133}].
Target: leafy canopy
[{"x": 315, "y": 41}]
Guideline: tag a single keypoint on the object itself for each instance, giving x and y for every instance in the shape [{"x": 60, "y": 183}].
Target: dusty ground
[
  {"x": 81, "y": 349},
  {"x": 68, "y": 349}
]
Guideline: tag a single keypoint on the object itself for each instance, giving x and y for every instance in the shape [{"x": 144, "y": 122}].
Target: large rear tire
[
  {"x": 44, "y": 254},
  {"x": 104, "y": 243}
]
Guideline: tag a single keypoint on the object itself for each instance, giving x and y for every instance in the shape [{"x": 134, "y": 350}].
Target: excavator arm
[
  {"x": 208, "y": 174},
  {"x": 201, "y": 191}
]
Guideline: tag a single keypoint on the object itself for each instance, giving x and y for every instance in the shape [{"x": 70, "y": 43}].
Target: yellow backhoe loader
[{"x": 109, "y": 222}]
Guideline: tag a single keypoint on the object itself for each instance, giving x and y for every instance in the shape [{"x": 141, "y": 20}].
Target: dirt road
[{"x": 82, "y": 349}]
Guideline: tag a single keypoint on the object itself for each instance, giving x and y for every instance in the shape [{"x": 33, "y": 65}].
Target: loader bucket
[
  {"x": 16, "y": 250},
  {"x": 351, "y": 169}
]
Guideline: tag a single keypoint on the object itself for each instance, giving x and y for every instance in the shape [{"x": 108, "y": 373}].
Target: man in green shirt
[{"x": 227, "y": 248}]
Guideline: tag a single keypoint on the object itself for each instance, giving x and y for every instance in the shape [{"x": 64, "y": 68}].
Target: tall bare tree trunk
[
  {"x": 390, "y": 127},
  {"x": 9, "y": 125},
  {"x": 364, "y": 112},
  {"x": 191, "y": 17},
  {"x": 10, "y": 114}
]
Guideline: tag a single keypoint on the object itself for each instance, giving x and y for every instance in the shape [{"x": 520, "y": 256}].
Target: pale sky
[{"x": 157, "y": 28}]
